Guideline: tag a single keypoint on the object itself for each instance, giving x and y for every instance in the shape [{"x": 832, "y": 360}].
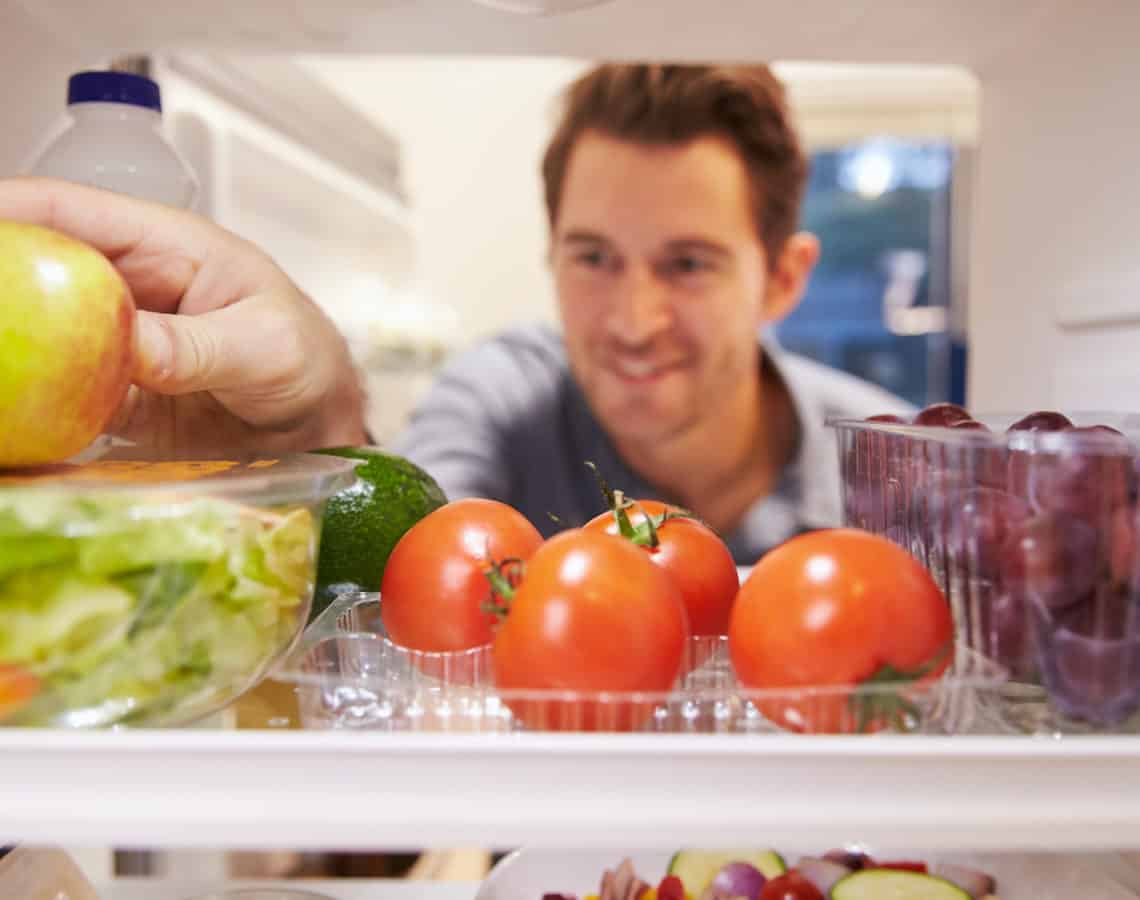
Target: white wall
[
  {"x": 1058, "y": 222},
  {"x": 36, "y": 64},
  {"x": 472, "y": 133}
]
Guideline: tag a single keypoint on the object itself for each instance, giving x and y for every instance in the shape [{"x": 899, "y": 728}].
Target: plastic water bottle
[{"x": 111, "y": 137}]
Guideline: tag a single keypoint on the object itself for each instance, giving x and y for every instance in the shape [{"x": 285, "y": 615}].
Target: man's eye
[
  {"x": 687, "y": 265},
  {"x": 594, "y": 259}
]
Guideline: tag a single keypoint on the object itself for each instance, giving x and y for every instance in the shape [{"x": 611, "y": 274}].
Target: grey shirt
[{"x": 506, "y": 420}]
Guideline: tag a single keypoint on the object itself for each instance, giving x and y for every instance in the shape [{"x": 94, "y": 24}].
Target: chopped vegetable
[
  {"x": 790, "y": 886},
  {"x": 671, "y": 888},
  {"x": 823, "y": 873},
  {"x": 893, "y": 884},
  {"x": 976, "y": 884},
  {"x": 698, "y": 868},
  {"x": 762, "y": 875},
  {"x": 903, "y": 866},
  {"x": 17, "y": 688},
  {"x": 852, "y": 859},
  {"x": 623, "y": 884},
  {"x": 739, "y": 879}
]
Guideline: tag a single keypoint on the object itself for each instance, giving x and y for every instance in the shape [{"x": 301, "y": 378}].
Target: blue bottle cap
[{"x": 113, "y": 87}]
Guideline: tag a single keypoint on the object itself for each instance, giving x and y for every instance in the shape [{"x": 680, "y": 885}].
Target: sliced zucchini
[
  {"x": 697, "y": 868},
  {"x": 893, "y": 884}
]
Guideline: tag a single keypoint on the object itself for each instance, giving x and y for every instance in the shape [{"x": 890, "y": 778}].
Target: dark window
[{"x": 878, "y": 303}]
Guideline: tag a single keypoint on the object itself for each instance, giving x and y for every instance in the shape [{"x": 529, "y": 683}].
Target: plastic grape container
[{"x": 1029, "y": 525}]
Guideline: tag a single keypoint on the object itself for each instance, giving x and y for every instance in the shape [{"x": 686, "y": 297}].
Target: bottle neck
[{"x": 113, "y": 111}]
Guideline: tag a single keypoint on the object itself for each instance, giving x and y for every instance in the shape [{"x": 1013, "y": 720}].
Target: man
[{"x": 673, "y": 195}]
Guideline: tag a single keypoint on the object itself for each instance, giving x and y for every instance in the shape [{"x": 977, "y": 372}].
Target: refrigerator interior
[{"x": 1054, "y": 317}]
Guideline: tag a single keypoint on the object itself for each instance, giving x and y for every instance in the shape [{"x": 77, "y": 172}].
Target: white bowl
[{"x": 528, "y": 874}]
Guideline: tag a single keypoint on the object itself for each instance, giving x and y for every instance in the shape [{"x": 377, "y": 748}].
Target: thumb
[{"x": 181, "y": 354}]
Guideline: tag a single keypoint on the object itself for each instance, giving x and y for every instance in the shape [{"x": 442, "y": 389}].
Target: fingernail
[{"x": 155, "y": 351}]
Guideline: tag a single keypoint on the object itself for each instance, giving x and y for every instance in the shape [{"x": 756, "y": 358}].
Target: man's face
[{"x": 661, "y": 280}]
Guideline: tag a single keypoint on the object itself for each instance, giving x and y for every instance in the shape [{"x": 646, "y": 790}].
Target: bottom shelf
[
  {"x": 360, "y": 889},
  {"x": 361, "y": 791}
]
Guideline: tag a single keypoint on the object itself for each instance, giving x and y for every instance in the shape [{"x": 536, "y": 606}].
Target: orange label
[{"x": 134, "y": 471}]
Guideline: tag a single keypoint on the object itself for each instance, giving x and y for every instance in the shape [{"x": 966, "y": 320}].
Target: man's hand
[{"x": 231, "y": 354}]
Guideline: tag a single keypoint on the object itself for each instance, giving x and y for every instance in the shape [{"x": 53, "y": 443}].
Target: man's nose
[{"x": 641, "y": 307}]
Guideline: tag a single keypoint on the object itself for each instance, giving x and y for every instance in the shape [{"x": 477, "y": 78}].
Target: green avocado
[{"x": 363, "y": 523}]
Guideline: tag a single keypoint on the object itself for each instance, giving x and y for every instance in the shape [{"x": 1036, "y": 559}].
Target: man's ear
[{"x": 788, "y": 279}]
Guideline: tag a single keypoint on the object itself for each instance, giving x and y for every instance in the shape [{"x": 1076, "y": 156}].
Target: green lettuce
[{"x": 136, "y": 614}]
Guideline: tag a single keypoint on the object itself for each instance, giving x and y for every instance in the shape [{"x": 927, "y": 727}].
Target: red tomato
[
  {"x": 789, "y": 886},
  {"x": 838, "y": 607},
  {"x": 434, "y": 588},
  {"x": 671, "y": 888},
  {"x": 696, "y": 559},
  {"x": 903, "y": 866},
  {"x": 592, "y": 614},
  {"x": 17, "y": 688}
]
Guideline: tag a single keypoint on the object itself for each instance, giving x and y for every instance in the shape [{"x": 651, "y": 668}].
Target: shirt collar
[{"x": 811, "y": 480}]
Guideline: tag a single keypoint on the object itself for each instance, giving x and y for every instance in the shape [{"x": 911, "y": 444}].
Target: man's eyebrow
[
  {"x": 583, "y": 236},
  {"x": 697, "y": 243}
]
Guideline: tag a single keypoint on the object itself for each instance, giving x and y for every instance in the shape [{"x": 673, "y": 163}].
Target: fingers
[
  {"x": 180, "y": 355},
  {"x": 174, "y": 261},
  {"x": 271, "y": 368},
  {"x": 215, "y": 351},
  {"x": 267, "y": 359}
]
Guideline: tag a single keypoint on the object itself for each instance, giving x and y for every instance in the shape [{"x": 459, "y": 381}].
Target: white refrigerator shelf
[{"x": 359, "y": 790}]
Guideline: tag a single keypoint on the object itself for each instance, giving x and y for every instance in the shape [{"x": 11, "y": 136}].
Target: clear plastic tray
[
  {"x": 349, "y": 675},
  {"x": 1033, "y": 536}
]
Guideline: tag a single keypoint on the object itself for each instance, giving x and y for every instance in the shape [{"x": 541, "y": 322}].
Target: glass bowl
[{"x": 153, "y": 592}]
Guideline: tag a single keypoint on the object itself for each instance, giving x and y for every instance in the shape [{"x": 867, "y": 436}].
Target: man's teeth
[{"x": 636, "y": 369}]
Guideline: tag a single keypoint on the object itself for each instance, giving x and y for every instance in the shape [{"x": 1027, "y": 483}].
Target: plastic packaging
[
  {"x": 1034, "y": 537},
  {"x": 43, "y": 873},
  {"x": 348, "y": 674},
  {"x": 151, "y": 592},
  {"x": 111, "y": 137}
]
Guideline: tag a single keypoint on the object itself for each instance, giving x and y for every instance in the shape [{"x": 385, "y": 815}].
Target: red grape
[
  {"x": 1122, "y": 547},
  {"x": 1104, "y": 430},
  {"x": 873, "y": 476},
  {"x": 1094, "y": 679},
  {"x": 1043, "y": 420},
  {"x": 887, "y": 418},
  {"x": 1005, "y": 630},
  {"x": 981, "y": 521},
  {"x": 1051, "y": 558},
  {"x": 941, "y": 415},
  {"x": 1081, "y": 483},
  {"x": 1105, "y": 613}
]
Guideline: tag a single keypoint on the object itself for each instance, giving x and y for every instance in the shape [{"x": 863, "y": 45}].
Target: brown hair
[{"x": 676, "y": 104}]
